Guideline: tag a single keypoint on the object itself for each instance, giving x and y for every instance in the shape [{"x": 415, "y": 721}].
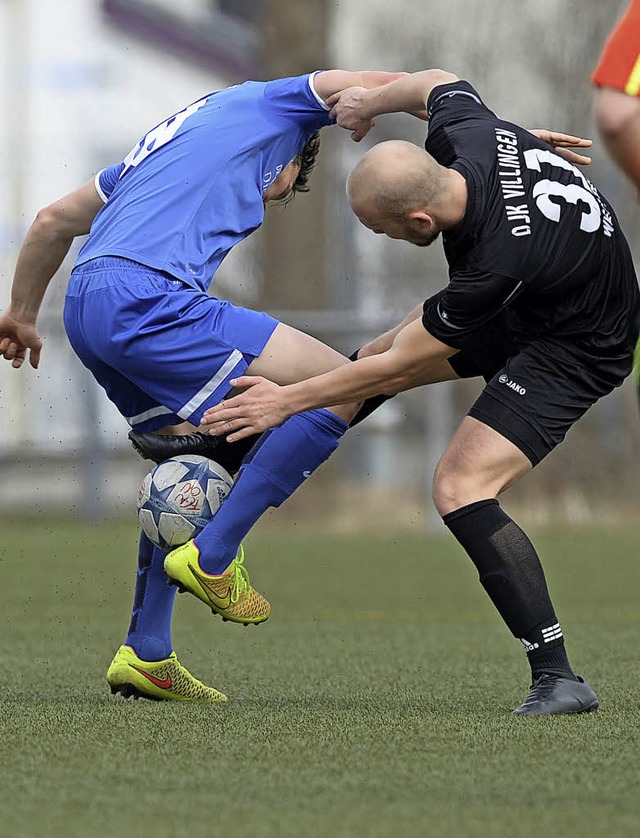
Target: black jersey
[{"x": 538, "y": 242}]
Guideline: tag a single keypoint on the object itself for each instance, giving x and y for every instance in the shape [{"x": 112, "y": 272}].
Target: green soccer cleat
[
  {"x": 230, "y": 594},
  {"x": 165, "y": 680}
]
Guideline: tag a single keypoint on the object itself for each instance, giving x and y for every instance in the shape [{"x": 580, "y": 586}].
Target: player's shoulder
[
  {"x": 288, "y": 97},
  {"x": 459, "y": 122},
  {"x": 456, "y": 100},
  {"x": 296, "y": 101},
  {"x": 294, "y": 86}
]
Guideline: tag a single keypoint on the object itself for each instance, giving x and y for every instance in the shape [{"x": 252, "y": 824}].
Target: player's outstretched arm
[
  {"x": 43, "y": 251},
  {"x": 415, "y": 358},
  {"x": 332, "y": 82},
  {"x": 356, "y": 108}
]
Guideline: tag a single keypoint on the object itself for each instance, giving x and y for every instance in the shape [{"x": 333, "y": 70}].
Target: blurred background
[{"x": 82, "y": 80}]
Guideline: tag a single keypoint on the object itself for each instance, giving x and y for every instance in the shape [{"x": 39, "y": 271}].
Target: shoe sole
[
  {"x": 129, "y": 691},
  {"x": 592, "y": 708},
  {"x": 182, "y": 590}
]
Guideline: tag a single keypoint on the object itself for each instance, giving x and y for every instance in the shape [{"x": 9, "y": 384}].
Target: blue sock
[
  {"x": 280, "y": 461},
  {"x": 150, "y": 628}
]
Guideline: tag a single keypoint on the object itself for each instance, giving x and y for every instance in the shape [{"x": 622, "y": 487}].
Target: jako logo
[{"x": 504, "y": 379}]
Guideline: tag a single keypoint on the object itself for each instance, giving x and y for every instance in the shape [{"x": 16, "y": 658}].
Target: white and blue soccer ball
[{"x": 179, "y": 497}]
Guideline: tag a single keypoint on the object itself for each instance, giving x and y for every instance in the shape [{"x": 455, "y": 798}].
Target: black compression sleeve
[
  {"x": 507, "y": 563},
  {"x": 370, "y": 404},
  {"x": 511, "y": 573}
]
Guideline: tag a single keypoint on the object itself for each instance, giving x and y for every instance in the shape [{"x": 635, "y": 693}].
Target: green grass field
[{"x": 374, "y": 702}]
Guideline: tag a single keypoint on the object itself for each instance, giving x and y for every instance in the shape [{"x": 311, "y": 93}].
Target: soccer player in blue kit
[{"x": 138, "y": 316}]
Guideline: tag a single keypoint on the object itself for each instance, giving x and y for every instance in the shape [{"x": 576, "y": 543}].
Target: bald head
[{"x": 395, "y": 178}]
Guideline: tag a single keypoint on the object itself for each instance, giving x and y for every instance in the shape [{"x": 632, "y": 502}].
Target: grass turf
[{"x": 374, "y": 702}]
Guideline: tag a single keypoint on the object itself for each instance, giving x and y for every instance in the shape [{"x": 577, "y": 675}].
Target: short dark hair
[{"x": 307, "y": 160}]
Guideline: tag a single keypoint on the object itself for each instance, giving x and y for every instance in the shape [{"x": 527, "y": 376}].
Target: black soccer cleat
[
  {"x": 161, "y": 447},
  {"x": 555, "y": 694}
]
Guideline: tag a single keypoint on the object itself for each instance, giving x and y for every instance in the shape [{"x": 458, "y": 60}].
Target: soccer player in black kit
[{"x": 542, "y": 302}]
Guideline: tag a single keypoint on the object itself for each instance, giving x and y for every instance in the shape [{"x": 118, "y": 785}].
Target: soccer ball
[{"x": 179, "y": 497}]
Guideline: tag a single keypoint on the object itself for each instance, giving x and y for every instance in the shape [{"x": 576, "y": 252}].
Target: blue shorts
[{"x": 163, "y": 352}]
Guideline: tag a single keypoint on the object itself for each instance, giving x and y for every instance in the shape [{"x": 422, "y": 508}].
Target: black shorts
[{"x": 537, "y": 390}]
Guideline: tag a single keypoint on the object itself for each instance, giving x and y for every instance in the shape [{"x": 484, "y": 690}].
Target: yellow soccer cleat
[
  {"x": 165, "y": 680},
  {"x": 229, "y": 594}
]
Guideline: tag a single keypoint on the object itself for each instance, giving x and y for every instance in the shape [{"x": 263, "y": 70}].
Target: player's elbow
[
  {"x": 437, "y": 76},
  {"x": 51, "y": 223},
  {"x": 428, "y": 79},
  {"x": 425, "y": 81}
]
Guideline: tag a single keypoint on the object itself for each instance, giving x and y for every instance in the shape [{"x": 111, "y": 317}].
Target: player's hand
[
  {"x": 564, "y": 143},
  {"x": 261, "y": 406},
  {"x": 16, "y": 338},
  {"x": 349, "y": 109}
]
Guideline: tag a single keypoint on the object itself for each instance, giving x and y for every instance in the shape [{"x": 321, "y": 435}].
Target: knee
[
  {"x": 458, "y": 482},
  {"x": 452, "y": 488},
  {"x": 346, "y": 412}
]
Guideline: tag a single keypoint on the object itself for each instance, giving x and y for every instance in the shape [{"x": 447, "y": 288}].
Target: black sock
[{"x": 511, "y": 573}]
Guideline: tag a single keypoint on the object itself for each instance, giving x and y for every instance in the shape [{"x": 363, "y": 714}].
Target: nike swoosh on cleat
[
  {"x": 163, "y": 683},
  {"x": 216, "y": 599}
]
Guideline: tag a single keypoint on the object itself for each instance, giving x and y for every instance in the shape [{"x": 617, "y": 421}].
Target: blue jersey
[{"x": 193, "y": 187}]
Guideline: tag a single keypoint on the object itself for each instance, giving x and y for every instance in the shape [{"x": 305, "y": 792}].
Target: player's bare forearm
[
  {"x": 263, "y": 404},
  {"x": 415, "y": 358},
  {"x": 374, "y": 380},
  {"x": 45, "y": 246},
  {"x": 407, "y": 94},
  {"x": 40, "y": 257},
  {"x": 357, "y": 108},
  {"x": 370, "y": 376},
  {"x": 330, "y": 82},
  {"x": 373, "y": 79}
]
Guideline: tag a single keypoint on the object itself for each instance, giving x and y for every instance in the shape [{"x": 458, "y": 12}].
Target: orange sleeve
[{"x": 619, "y": 65}]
